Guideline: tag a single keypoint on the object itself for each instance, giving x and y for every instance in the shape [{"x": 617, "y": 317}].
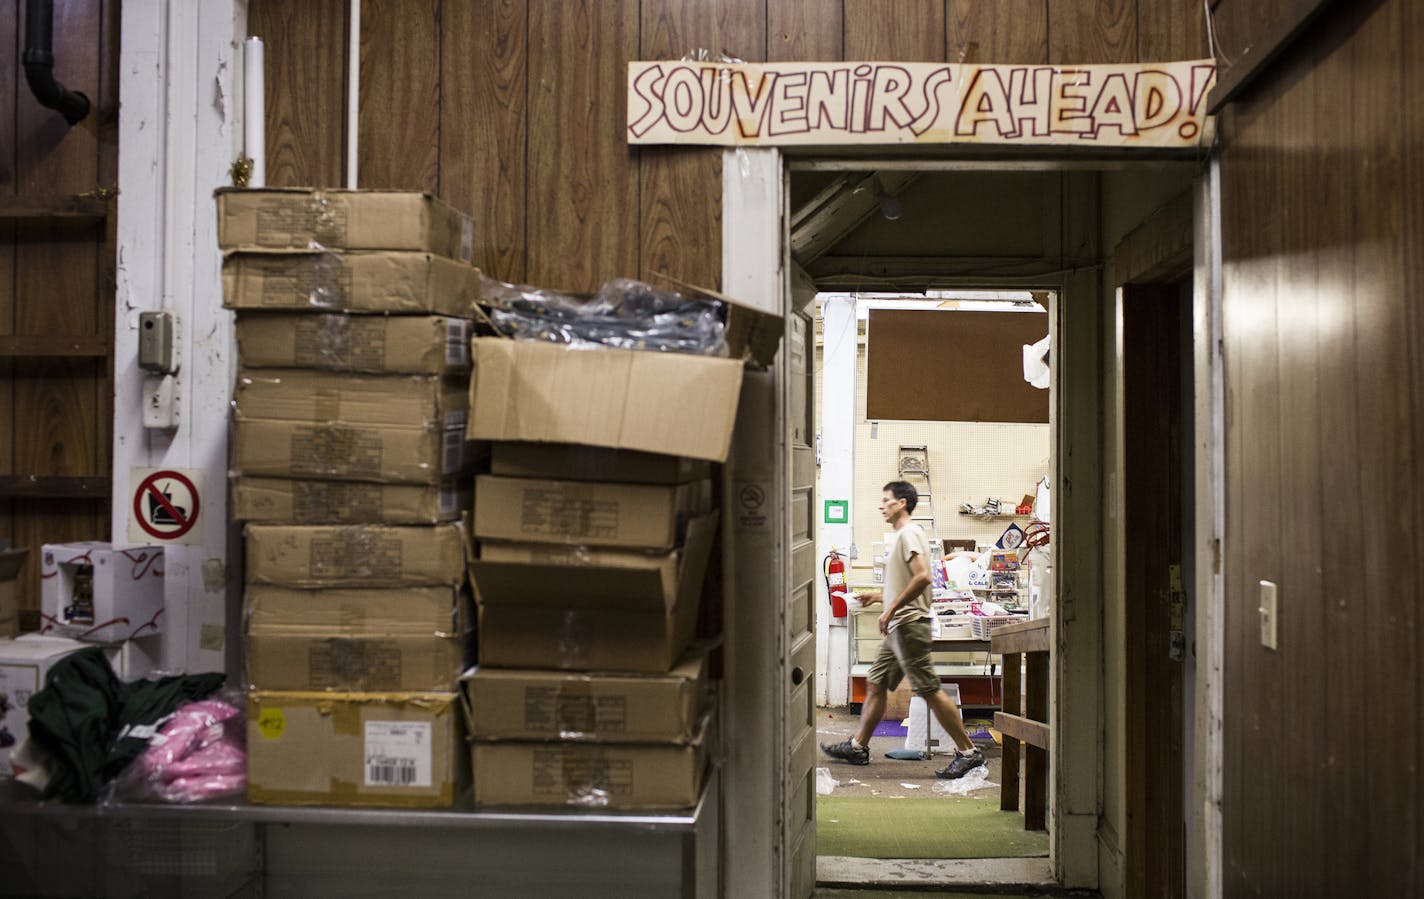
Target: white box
[
  {"x": 24, "y": 662},
  {"x": 920, "y": 716},
  {"x": 101, "y": 593}
]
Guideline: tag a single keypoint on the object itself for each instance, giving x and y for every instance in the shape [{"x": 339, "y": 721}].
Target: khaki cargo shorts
[{"x": 905, "y": 652}]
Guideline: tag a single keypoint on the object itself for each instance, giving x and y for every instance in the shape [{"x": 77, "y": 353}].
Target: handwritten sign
[{"x": 751, "y": 104}]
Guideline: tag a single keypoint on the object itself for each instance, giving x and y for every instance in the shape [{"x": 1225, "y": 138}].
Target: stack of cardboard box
[
  {"x": 590, "y": 572},
  {"x": 595, "y": 524},
  {"x": 349, "y": 466}
]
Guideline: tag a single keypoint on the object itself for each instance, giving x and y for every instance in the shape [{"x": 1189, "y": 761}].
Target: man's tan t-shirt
[{"x": 909, "y": 541}]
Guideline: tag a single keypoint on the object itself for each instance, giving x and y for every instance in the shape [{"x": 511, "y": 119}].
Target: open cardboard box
[
  {"x": 626, "y": 611},
  {"x": 677, "y": 404}
]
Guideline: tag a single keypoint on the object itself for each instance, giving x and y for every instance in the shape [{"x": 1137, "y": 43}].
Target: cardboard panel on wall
[{"x": 948, "y": 365}]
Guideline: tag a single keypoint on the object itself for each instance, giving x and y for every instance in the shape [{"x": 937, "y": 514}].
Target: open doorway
[
  {"x": 928, "y": 388},
  {"x": 1036, "y": 237}
]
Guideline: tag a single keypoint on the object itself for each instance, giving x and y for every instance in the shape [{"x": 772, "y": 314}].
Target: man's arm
[{"x": 919, "y": 580}]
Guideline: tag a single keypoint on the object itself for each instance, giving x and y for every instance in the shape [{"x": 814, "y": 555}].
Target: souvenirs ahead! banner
[{"x": 779, "y": 104}]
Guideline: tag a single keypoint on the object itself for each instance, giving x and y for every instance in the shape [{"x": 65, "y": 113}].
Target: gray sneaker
[
  {"x": 961, "y": 764},
  {"x": 846, "y": 752}
]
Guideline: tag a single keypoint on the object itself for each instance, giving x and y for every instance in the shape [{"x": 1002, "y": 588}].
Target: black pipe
[{"x": 39, "y": 64}]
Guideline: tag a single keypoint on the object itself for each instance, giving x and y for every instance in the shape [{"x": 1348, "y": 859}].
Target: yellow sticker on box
[{"x": 271, "y": 722}]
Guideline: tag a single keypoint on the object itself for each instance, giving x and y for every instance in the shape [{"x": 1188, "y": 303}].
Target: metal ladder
[{"x": 913, "y": 463}]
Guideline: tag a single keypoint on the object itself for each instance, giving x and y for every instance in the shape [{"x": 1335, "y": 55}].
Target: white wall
[{"x": 179, "y": 130}]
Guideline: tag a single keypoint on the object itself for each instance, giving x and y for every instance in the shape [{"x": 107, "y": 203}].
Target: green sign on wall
[{"x": 837, "y": 511}]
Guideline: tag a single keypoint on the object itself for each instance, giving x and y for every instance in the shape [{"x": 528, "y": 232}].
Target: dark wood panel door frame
[{"x": 1156, "y": 573}]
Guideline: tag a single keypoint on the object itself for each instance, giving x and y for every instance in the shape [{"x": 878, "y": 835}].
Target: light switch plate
[{"x": 1268, "y": 609}]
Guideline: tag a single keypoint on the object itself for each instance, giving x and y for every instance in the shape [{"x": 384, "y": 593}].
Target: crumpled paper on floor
[{"x": 976, "y": 779}]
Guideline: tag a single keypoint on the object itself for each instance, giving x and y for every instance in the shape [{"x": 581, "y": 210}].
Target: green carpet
[{"x": 937, "y": 827}]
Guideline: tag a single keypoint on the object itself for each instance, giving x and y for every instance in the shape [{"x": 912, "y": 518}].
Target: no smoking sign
[{"x": 166, "y": 504}]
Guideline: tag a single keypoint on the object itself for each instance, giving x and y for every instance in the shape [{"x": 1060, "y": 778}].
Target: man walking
[{"x": 905, "y": 652}]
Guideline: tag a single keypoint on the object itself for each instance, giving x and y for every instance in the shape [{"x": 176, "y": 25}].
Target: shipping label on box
[
  {"x": 338, "y": 341},
  {"x": 401, "y": 750},
  {"x": 393, "y": 401},
  {"x": 671, "y": 403},
  {"x": 289, "y": 449},
  {"x": 355, "y": 556},
  {"x": 636, "y": 613},
  {"x": 591, "y": 775},
  {"x": 301, "y": 218},
  {"x": 505, "y": 704},
  {"x": 561, "y": 461},
  {"x": 633, "y": 516},
  {"x": 404, "y": 283},
  {"x": 348, "y": 502}
]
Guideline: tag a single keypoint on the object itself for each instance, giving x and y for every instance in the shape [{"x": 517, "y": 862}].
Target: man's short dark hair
[{"x": 906, "y": 491}]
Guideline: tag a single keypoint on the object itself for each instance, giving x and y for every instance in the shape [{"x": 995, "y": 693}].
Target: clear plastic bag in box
[{"x": 624, "y": 314}]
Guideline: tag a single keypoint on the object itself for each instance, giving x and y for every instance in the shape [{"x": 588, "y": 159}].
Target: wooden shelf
[
  {"x": 47, "y": 345},
  {"x": 61, "y": 206},
  {"x": 55, "y": 486}
]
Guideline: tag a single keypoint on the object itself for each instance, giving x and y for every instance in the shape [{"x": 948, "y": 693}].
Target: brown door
[{"x": 1153, "y": 330}]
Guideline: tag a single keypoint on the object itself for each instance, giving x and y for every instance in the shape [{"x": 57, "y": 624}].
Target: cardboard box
[
  {"x": 290, "y": 449},
  {"x": 348, "y": 502},
  {"x": 304, "y": 219},
  {"x": 320, "y": 397},
  {"x": 402, "y": 750},
  {"x": 11, "y": 561},
  {"x": 507, "y": 704},
  {"x": 100, "y": 592},
  {"x": 299, "y": 660},
  {"x": 24, "y": 662},
  {"x": 407, "y": 283},
  {"x": 591, "y": 775},
  {"x": 628, "y": 612},
  {"x": 308, "y": 556},
  {"x": 570, "y": 462},
  {"x": 631, "y": 516},
  {"x": 349, "y": 611},
  {"x": 670, "y": 403},
  {"x": 339, "y": 341}
]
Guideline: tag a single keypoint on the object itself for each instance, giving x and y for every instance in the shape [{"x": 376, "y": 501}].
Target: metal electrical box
[{"x": 155, "y": 342}]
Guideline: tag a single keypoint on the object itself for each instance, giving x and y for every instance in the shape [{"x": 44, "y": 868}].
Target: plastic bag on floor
[
  {"x": 825, "y": 783},
  {"x": 976, "y": 779}
]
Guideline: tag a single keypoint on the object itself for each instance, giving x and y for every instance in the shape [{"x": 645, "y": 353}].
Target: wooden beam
[
  {"x": 1034, "y": 733},
  {"x": 1027, "y": 636},
  {"x": 1230, "y": 83},
  {"x": 76, "y": 206},
  {"x": 55, "y": 486},
  {"x": 921, "y": 272},
  {"x": 14, "y": 346},
  {"x": 834, "y": 213}
]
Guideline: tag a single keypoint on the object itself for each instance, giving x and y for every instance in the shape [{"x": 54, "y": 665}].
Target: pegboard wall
[{"x": 969, "y": 462}]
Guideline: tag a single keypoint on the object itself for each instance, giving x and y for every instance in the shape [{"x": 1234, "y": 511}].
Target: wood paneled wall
[
  {"x": 56, "y": 288},
  {"x": 1323, "y": 216},
  {"x": 514, "y": 109}
]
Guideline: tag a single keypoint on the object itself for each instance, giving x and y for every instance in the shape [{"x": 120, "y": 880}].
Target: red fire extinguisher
[{"x": 834, "y": 570}]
